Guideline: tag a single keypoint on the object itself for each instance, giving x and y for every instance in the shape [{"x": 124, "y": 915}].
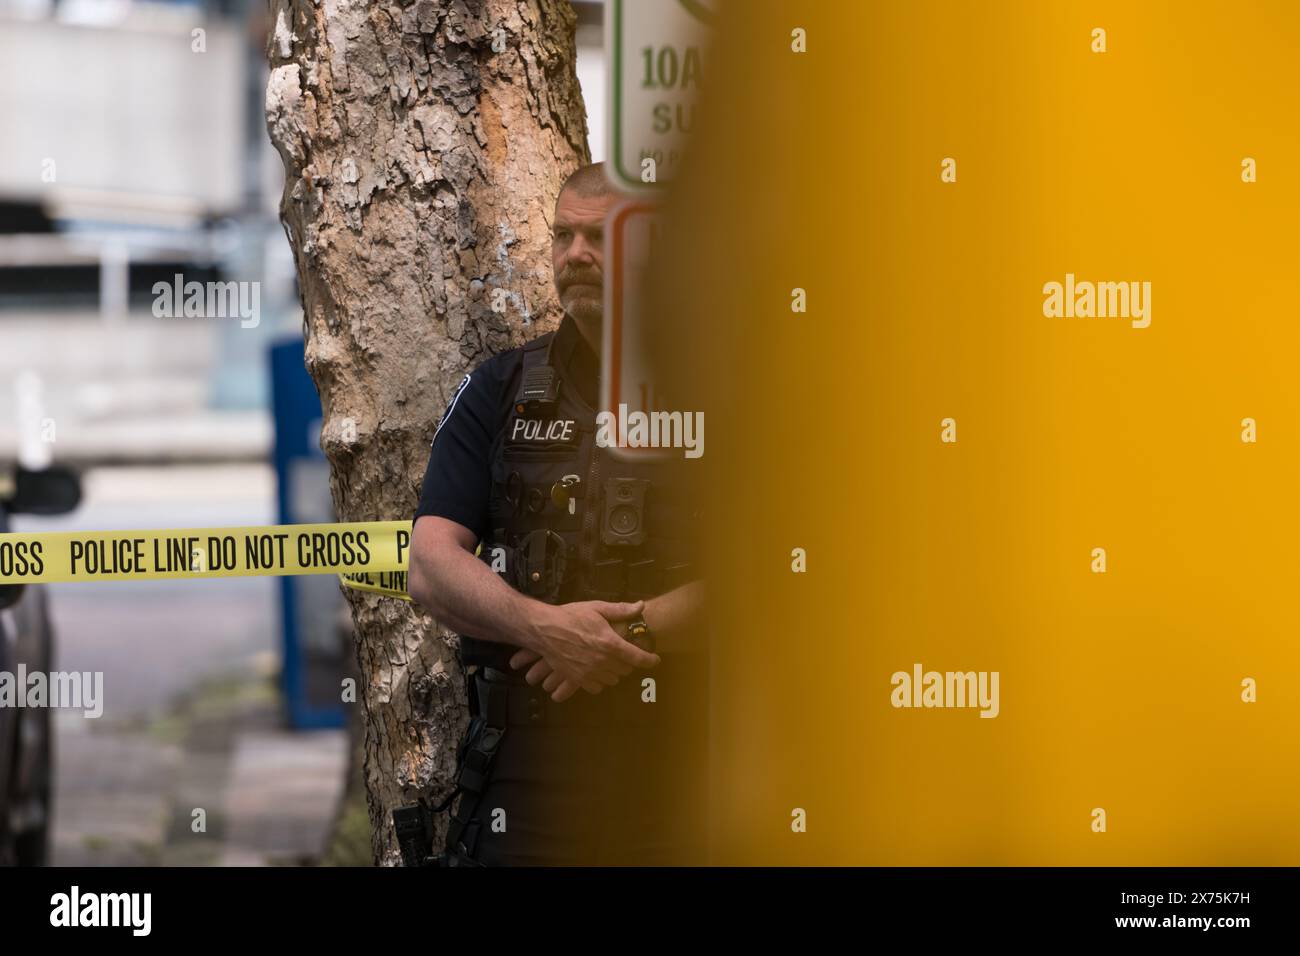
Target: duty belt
[{"x": 526, "y": 706}]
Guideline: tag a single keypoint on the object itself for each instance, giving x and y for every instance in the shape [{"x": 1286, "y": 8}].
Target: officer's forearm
[
  {"x": 467, "y": 596},
  {"x": 671, "y": 615}
]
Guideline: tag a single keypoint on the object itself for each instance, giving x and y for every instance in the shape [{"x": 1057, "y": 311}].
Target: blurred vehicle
[{"x": 27, "y": 640}]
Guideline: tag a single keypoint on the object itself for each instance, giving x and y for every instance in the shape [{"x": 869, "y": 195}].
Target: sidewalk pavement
[{"x": 126, "y": 793}]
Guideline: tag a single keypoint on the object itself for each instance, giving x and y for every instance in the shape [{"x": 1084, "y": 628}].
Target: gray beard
[{"x": 584, "y": 311}]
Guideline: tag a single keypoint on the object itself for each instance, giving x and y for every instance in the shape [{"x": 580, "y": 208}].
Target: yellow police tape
[
  {"x": 362, "y": 550},
  {"x": 387, "y": 583}
]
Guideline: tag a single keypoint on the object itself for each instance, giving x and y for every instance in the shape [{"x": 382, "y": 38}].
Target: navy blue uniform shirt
[{"x": 458, "y": 481}]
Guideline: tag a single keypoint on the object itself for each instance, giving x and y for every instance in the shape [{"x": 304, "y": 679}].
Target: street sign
[
  {"x": 630, "y": 232},
  {"x": 657, "y": 49}
]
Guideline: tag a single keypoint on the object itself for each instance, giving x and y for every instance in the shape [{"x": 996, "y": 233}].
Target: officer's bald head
[{"x": 588, "y": 182}]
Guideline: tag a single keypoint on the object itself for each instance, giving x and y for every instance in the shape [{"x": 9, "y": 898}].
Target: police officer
[{"x": 569, "y": 576}]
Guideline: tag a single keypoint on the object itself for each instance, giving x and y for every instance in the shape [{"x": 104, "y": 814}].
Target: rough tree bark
[{"x": 424, "y": 144}]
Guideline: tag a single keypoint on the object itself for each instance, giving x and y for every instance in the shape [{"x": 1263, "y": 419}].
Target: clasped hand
[{"x": 580, "y": 646}]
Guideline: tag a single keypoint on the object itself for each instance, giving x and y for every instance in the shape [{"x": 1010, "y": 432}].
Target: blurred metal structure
[
  {"x": 134, "y": 151},
  {"x": 112, "y": 252},
  {"x": 138, "y": 121}
]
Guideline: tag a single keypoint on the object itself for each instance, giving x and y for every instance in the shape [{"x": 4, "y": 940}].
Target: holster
[{"x": 475, "y": 758}]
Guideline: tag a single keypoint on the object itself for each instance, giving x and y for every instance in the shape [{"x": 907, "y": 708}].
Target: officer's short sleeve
[{"x": 458, "y": 480}]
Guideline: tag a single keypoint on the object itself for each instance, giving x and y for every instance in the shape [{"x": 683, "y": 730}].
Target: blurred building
[{"x": 135, "y": 150}]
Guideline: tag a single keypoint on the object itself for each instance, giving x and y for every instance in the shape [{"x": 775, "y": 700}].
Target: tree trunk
[{"x": 424, "y": 144}]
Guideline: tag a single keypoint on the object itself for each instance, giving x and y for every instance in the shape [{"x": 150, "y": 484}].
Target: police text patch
[{"x": 539, "y": 430}]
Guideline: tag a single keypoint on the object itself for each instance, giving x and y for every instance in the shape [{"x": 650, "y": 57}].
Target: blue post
[{"x": 309, "y": 605}]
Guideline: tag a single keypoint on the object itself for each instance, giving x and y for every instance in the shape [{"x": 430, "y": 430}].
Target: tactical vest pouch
[{"x": 540, "y": 564}]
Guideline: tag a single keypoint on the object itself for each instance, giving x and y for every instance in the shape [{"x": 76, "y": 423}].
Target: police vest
[{"x": 571, "y": 522}]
